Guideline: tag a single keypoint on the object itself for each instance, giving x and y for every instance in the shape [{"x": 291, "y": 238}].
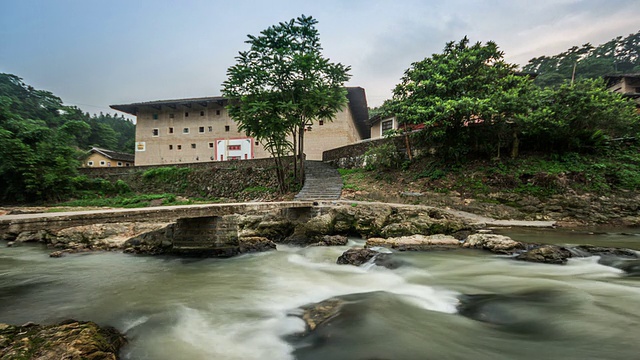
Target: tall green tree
[
  {"x": 282, "y": 85},
  {"x": 454, "y": 92},
  {"x": 617, "y": 56}
]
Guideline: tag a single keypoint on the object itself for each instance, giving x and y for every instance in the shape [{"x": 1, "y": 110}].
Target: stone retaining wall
[{"x": 352, "y": 156}]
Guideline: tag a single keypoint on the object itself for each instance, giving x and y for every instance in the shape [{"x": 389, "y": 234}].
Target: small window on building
[
  {"x": 156, "y": 132},
  {"x": 185, "y": 130},
  {"x": 127, "y": 164},
  {"x": 234, "y": 147},
  {"x": 186, "y": 114},
  {"x": 193, "y": 146},
  {"x": 179, "y": 147},
  {"x": 387, "y": 125},
  {"x": 155, "y": 116},
  {"x": 201, "y": 129},
  {"x": 210, "y": 128},
  {"x": 171, "y": 116},
  {"x": 227, "y": 128},
  {"x": 201, "y": 113},
  {"x": 90, "y": 163},
  {"x": 320, "y": 122},
  {"x": 637, "y": 90},
  {"x": 211, "y": 145},
  {"x": 170, "y": 130},
  {"x": 217, "y": 112},
  {"x": 119, "y": 163},
  {"x": 170, "y": 147},
  {"x": 103, "y": 163}
]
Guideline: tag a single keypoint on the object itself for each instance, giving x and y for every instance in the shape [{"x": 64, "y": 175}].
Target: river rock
[
  {"x": 318, "y": 313},
  {"x": 548, "y": 254},
  {"x": 101, "y": 236},
  {"x": 588, "y": 250},
  {"x": 356, "y": 257},
  {"x": 154, "y": 242},
  {"x": 70, "y": 340},
  {"x": 255, "y": 244},
  {"x": 272, "y": 226},
  {"x": 498, "y": 244},
  {"x": 332, "y": 240},
  {"x": 33, "y": 236},
  {"x": 416, "y": 242}
]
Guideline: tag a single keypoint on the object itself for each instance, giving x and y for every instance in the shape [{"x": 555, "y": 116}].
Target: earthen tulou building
[{"x": 200, "y": 130}]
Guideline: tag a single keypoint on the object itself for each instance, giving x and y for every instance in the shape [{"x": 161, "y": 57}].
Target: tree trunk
[
  {"x": 515, "y": 146},
  {"x": 301, "y": 155}
]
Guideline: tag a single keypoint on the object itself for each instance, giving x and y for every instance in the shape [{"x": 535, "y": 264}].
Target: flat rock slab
[{"x": 416, "y": 242}]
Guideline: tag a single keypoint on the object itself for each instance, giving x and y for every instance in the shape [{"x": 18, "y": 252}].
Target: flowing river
[{"x": 240, "y": 308}]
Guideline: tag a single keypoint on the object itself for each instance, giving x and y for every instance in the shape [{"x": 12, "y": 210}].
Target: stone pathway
[{"x": 321, "y": 182}]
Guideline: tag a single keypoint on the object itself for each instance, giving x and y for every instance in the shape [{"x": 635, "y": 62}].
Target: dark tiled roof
[
  {"x": 133, "y": 108},
  {"x": 114, "y": 155},
  {"x": 356, "y": 96},
  {"x": 359, "y": 110}
]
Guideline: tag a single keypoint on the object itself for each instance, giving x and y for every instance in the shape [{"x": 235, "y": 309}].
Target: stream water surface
[{"x": 240, "y": 308}]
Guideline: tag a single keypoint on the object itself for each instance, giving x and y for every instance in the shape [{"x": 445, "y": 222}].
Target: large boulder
[
  {"x": 33, "y": 236},
  {"x": 416, "y": 242},
  {"x": 319, "y": 313},
  {"x": 71, "y": 340},
  {"x": 498, "y": 244},
  {"x": 588, "y": 250},
  {"x": 272, "y": 226},
  {"x": 101, "y": 236},
  {"x": 332, "y": 240},
  {"x": 356, "y": 257},
  {"x": 406, "y": 221},
  {"x": 255, "y": 244},
  {"x": 154, "y": 242},
  {"x": 548, "y": 254}
]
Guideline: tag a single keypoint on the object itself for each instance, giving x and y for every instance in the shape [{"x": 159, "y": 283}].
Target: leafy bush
[{"x": 383, "y": 156}]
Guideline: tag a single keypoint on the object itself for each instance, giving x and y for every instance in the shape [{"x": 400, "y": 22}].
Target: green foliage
[
  {"x": 617, "y": 56},
  {"x": 383, "y": 156},
  {"x": 40, "y": 140},
  {"x": 452, "y": 92},
  {"x": 167, "y": 175},
  {"x": 121, "y": 201},
  {"x": 282, "y": 85}
]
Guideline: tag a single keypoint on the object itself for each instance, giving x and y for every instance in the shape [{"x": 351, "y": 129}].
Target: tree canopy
[
  {"x": 469, "y": 99},
  {"x": 452, "y": 92},
  {"x": 42, "y": 140},
  {"x": 282, "y": 85},
  {"x": 617, "y": 56}
]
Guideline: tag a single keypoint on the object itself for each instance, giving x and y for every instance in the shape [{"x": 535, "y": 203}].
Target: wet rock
[
  {"x": 332, "y": 240},
  {"x": 33, "y": 236},
  {"x": 255, "y": 244},
  {"x": 548, "y": 254},
  {"x": 498, "y": 244},
  {"x": 519, "y": 312},
  {"x": 154, "y": 242},
  {"x": 101, "y": 236},
  {"x": 318, "y": 313},
  {"x": 11, "y": 243},
  {"x": 272, "y": 226},
  {"x": 72, "y": 340},
  {"x": 630, "y": 267},
  {"x": 588, "y": 250},
  {"x": 356, "y": 257},
  {"x": 56, "y": 254},
  {"x": 416, "y": 242}
]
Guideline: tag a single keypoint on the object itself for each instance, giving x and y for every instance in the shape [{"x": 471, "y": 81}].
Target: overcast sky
[{"x": 95, "y": 53}]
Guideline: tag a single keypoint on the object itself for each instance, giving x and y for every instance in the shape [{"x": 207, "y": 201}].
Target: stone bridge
[{"x": 198, "y": 226}]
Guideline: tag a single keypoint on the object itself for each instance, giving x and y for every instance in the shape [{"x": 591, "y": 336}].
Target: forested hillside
[
  {"x": 42, "y": 141},
  {"x": 617, "y": 56}
]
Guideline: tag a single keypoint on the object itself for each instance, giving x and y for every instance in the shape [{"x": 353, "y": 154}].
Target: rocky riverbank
[{"x": 71, "y": 340}]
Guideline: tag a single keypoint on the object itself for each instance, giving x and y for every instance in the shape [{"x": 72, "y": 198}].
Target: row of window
[
  {"x": 106, "y": 163},
  {"x": 193, "y": 146},
  {"x": 186, "y": 114},
  {"x": 156, "y": 131}
]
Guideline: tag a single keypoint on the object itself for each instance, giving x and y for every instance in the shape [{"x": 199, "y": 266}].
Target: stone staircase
[{"x": 321, "y": 182}]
